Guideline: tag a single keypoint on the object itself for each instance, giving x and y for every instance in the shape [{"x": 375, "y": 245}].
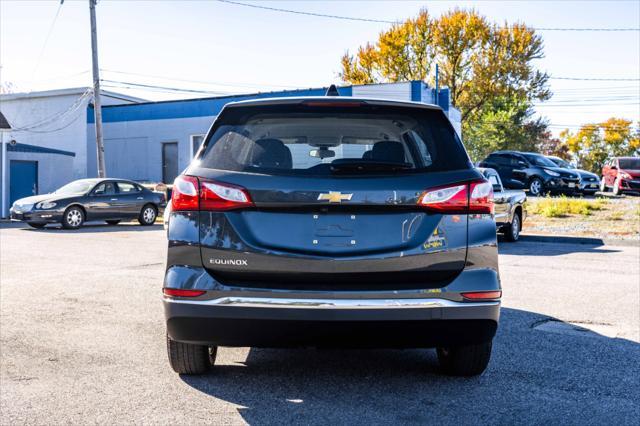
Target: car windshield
[
  {"x": 629, "y": 163},
  {"x": 561, "y": 163},
  {"x": 539, "y": 160},
  {"x": 325, "y": 140},
  {"x": 75, "y": 187}
]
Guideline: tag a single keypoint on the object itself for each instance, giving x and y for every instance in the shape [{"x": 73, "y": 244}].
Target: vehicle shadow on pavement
[
  {"x": 547, "y": 376},
  {"x": 96, "y": 227},
  {"x": 553, "y": 246}
]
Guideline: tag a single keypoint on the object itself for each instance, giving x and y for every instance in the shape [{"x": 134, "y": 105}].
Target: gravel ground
[{"x": 82, "y": 342}]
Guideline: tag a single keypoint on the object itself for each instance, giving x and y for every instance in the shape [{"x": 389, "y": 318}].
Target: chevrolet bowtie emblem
[{"x": 334, "y": 197}]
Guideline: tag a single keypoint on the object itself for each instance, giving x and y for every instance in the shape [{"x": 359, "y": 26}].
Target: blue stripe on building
[
  {"x": 23, "y": 147},
  {"x": 203, "y": 107}
]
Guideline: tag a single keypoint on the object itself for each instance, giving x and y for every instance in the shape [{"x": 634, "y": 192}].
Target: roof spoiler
[{"x": 332, "y": 91}]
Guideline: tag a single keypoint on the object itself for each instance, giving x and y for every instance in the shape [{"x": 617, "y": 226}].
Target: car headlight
[
  {"x": 625, "y": 175},
  {"x": 551, "y": 173},
  {"x": 46, "y": 205}
]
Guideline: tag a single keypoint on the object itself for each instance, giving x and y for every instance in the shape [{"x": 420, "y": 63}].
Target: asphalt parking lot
[{"x": 82, "y": 342}]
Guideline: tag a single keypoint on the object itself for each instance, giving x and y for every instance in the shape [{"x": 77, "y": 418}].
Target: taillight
[
  {"x": 190, "y": 193},
  {"x": 178, "y": 292},
  {"x": 472, "y": 197},
  {"x": 483, "y": 295},
  {"x": 481, "y": 199},
  {"x": 217, "y": 196},
  {"x": 184, "y": 195}
]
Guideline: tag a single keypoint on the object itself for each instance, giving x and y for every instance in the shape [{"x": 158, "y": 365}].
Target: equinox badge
[
  {"x": 334, "y": 197},
  {"x": 234, "y": 262}
]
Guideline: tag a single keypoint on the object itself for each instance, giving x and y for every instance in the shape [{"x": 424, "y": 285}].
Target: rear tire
[
  {"x": 148, "y": 215},
  {"x": 190, "y": 359},
  {"x": 112, "y": 222},
  {"x": 466, "y": 361},
  {"x": 512, "y": 231},
  {"x": 36, "y": 225},
  {"x": 73, "y": 218},
  {"x": 536, "y": 187}
]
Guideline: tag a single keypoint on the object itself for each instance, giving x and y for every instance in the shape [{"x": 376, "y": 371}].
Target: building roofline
[{"x": 65, "y": 92}]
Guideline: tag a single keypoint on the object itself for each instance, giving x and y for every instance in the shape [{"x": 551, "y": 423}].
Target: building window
[{"x": 196, "y": 141}]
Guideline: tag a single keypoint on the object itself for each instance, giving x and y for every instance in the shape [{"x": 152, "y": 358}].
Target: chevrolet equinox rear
[{"x": 327, "y": 221}]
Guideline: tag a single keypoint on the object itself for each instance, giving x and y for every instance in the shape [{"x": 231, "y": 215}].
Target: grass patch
[{"x": 563, "y": 206}]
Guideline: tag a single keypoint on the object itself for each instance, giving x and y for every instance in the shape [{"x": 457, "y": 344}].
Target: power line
[
  {"x": 210, "y": 83},
  {"x": 174, "y": 89},
  {"x": 593, "y": 79},
  {"x": 383, "y": 21}
]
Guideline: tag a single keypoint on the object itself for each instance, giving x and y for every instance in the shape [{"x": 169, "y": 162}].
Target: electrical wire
[
  {"x": 77, "y": 104},
  {"x": 383, "y": 21},
  {"x": 210, "y": 83}
]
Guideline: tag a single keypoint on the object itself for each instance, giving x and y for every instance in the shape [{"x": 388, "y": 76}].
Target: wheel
[
  {"x": 468, "y": 360},
  {"x": 603, "y": 185},
  {"x": 535, "y": 187},
  {"x": 113, "y": 222},
  {"x": 36, "y": 225},
  {"x": 616, "y": 187},
  {"x": 73, "y": 218},
  {"x": 190, "y": 359},
  {"x": 148, "y": 215},
  {"x": 512, "y": 231}
]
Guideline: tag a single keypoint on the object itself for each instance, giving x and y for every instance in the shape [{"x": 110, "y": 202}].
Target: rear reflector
[
  {"x": 190, "y": 193},
  {"x": 483, "y": 295},
  {"x": 175, "y": 292},
  {"x": 472, "y": 197}
]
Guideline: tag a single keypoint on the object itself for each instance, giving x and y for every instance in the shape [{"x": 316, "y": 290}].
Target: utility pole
[
  {"x": 437, "y": 102},
  {"x": 97, "y": 106}
]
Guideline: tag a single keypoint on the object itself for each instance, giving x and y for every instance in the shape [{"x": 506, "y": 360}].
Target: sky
[{"x": 224, "y": 48}]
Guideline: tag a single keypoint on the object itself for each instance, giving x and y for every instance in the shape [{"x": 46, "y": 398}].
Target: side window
[
  {"x": 105, "y": 188},
  {"x": 501, "y": 159},
  {"x": 196, "y": 141},
  {"x": 515, "y": 161},
  {"x": 127, "y": 188}
]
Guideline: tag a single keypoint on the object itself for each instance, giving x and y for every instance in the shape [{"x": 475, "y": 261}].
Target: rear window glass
[{"x": 305, "y": 140}]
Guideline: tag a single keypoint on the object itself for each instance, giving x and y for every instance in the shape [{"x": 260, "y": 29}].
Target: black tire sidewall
[
  {"x": 141, "y": 216},
  {"x": 66, "y": 224},
  {"x": 510, "y": 234},
  {"x": 541, "y": 187}
]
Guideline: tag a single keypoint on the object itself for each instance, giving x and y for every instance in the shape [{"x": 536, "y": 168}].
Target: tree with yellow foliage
[
  {"x": 479, "y": 61},
  {"x": 594, "y": 143}
]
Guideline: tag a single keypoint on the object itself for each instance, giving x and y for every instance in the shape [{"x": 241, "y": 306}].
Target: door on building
[
  {"x": 169, "y": 161},
  {"x": 23, "y": 177}
]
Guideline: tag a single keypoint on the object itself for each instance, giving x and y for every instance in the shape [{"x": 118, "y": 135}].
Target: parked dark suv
[
  {"x": 535, "y": 172},
  {"x": 332, "y": 221}
]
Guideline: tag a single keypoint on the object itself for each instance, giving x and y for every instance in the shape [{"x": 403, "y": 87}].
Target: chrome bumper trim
[{"x": 264, "y": 302}]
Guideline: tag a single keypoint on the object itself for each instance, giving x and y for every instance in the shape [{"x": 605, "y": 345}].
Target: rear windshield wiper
[{"x": 367, "y": 166}]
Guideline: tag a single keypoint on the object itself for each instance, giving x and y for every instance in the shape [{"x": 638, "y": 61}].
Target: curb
[{"x": 594, "y": 241}]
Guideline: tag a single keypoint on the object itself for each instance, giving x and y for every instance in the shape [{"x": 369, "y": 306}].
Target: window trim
[{"x": 192, "y": 153}]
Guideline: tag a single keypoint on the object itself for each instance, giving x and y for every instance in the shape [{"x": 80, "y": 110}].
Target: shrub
[{"x": 563, "y": 206}]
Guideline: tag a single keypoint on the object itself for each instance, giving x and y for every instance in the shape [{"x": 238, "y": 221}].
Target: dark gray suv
[{"x": 327, "y": 221}]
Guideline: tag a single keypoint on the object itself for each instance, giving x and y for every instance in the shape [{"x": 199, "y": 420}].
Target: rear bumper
[{"x": 284, "y": 322}]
